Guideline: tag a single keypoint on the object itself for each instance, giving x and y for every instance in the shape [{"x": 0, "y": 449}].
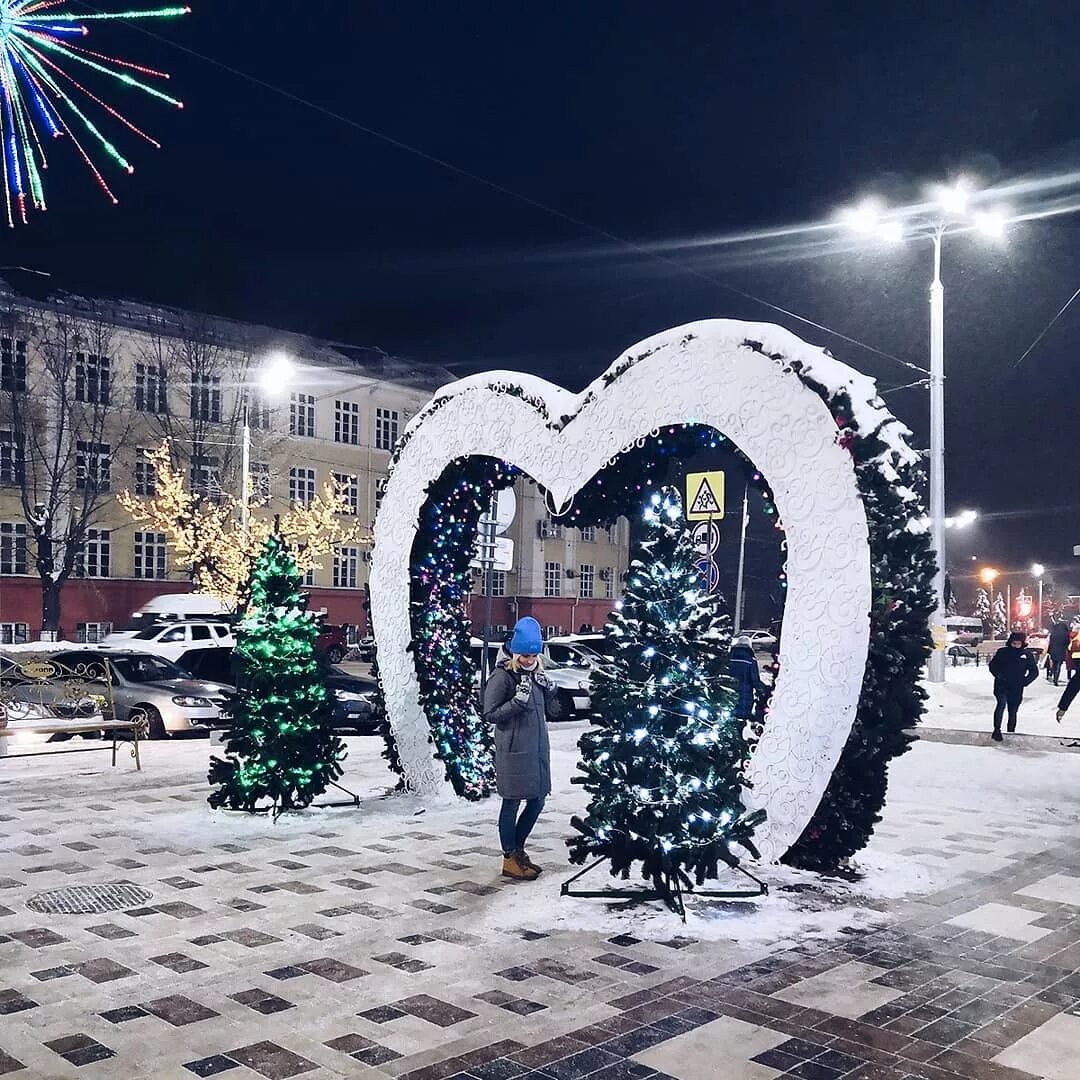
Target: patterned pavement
[{"x": 381, "y": 943}]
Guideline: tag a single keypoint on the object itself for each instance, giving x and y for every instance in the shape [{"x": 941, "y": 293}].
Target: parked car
[
  {"x": 365, "y": 649},
  {"x": 354, "y": 703},
  {"x": 172, "y": 640},
  {"x": 332, "y": 643},
  {"x": 172, "y": 608},
  {"x": 151, "y": 688},
  {"x": 572, "y": 683},
  {"x": 760, "y": 640}
]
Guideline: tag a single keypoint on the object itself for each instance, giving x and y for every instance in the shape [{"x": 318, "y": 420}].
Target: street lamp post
[
  {"x": 1037, "y": 571},
  {"x": 988, "y": 576},
  {"x": 949, "y": 212},
  {"x": 275, "y": 375}
]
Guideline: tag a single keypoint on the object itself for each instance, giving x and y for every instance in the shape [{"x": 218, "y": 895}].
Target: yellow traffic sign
[{"x": 704, "y": 495}]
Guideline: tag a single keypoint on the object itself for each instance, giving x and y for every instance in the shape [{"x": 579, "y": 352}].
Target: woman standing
[{"x": 517, "y": 701}]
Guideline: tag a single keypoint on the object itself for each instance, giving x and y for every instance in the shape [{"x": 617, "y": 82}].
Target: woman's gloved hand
[
  {"x": 541, "y": 680},
  {"x": 524, "y": 690}
]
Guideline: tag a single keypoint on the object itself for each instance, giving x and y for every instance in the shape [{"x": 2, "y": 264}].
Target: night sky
[{"x": 657, "y": 123}]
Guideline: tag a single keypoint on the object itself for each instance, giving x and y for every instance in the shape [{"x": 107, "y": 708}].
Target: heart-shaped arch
[{"x": 703, "y": 373}]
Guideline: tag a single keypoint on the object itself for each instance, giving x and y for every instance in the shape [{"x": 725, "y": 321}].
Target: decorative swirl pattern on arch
[{"x": 701, "y": 373}]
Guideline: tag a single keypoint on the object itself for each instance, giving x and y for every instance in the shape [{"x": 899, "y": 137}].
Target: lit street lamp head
[
  {"x": 276, "y": 374},
  {"x": 1037, "y": 569},
  {"x": 988, "y": 575}
]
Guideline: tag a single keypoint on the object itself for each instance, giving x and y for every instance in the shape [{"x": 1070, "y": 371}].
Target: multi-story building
[
  {"x": 567, "y": 578},
  {"x": 86, "y": 386}
]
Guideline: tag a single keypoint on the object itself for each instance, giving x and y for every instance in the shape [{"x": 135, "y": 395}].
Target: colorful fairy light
[{"x": 40, "y": 99}]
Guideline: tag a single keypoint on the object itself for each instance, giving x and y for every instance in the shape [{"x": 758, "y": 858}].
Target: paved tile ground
[{"x": 380, "y": 942}]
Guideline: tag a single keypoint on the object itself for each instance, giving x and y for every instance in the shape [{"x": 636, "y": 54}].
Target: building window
[
  {"x": 380, "y": 491},
  {"x": 205, "y": 476},
  {"x": 145, "y": 476},
  {"x": 14, "y": 633},
  {"x": 90, "y": 633},
  {"x": 302, "y": 486},
  {"x": 613, "y": 534},
  {"x": 302, "y": 415},
  {"x": 93, "y": 466},
  {"x": 553, "y": 579},
  {"x": 347, "y": 422},
  {"x": 609, "y": 587},
  {"x": 348, "y": 488},
  {"x": 12, "y": 547},
  {"x": 96, "y": 554},
  {"x": 11, "y": 458},
  {"x": 386, "y": 428},
  {"x": 346, "y": 563},
  {"x": 588, "y": 534},
  {"x": 12, "y": 365},
  {"x": 308, "y": 579},
  {"x": 552, "y": 631},
  {"x": 206, "y": 398},
  {"x": 497, "y": 583},
  {"x": 258, "y": 410},
  {"x": 260, "y": 481},
  {"x": 150, "y": 555},
  {"x": 586, "y": 581},
  {"x": 92, "y": 378},
  {"x": 151, "y": 389}
]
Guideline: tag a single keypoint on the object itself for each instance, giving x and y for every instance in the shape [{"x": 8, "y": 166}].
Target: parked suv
[
  {"x": 170, "y": 640},
  {"x": 151, "y": 688}
]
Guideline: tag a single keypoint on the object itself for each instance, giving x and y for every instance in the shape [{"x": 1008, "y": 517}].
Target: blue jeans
[{"x": 514, "y": 830}]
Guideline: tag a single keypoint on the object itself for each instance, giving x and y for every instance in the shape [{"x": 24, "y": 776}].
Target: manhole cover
[{"x": 89, "y": 899}]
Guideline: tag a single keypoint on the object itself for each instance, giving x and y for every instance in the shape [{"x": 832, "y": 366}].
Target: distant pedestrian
[
  {"x": 1057, "y": 648},
  {"x": 518, "y": 699},
  {"x": 1013, "y": 668},
  {"x": 743, "y": 667}
]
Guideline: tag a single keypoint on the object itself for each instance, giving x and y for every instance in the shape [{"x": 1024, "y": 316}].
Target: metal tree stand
[{"x": 673, "y": 898}]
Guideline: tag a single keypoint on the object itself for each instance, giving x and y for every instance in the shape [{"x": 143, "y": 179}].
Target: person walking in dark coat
[
  {"x": 1013, "y": 668},
  {"x": 518, "y": 699},
  {"x": 1057, "y": 648},
  {"x": 743, "y": 666},
  {"x": 1072, "y": 688}
]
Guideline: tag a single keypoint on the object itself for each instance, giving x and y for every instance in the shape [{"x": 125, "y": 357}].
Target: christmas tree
[
  {"x": 281, "y": 746},
  {"x": 982, "y": 608},
  {"x": 1001, "y": 616},
  {"x": 664, "y": 763}
]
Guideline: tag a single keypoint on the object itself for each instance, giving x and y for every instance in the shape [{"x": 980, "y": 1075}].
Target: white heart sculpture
[{"x": 699, "y": 373}]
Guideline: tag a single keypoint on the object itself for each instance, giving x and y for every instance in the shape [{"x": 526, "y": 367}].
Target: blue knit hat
[{"x": 527, "y": 639}]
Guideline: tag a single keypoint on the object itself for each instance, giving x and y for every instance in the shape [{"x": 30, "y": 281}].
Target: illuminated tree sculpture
[{"x": 281, "y": 747}]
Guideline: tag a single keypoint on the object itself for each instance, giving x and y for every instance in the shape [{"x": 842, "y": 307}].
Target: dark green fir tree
[
  {"x": 281, "y": 752},
  {"x": 664, "y": 764}
]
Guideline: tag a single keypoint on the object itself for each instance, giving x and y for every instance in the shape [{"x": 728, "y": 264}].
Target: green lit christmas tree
[
  {"x": 664, "y": 762},
  {"x": 281, "y": 748}
]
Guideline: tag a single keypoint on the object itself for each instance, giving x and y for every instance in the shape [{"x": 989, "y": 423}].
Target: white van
[
  {"x": 963, "y": 630},
  {"x": 170, "y": 608}
]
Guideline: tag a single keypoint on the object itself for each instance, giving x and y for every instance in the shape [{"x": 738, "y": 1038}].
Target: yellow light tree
[{"x": 206, "y": 535}]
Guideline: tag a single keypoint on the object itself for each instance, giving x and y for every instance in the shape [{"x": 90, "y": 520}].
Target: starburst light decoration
[{"x": 42, "y": 97}]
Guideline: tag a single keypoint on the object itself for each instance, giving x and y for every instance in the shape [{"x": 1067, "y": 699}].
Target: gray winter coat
[{"x": 522, "y": 752}]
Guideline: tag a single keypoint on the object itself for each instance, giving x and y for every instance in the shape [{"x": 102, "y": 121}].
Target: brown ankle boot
[
  {"x": 524, "y": 859},
  {"x": 513, "y": 867}
]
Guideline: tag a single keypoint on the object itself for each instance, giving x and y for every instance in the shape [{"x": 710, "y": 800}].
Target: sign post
[
  {"x": 496, "y": 553},
  {"x": 705, "y": 506}
]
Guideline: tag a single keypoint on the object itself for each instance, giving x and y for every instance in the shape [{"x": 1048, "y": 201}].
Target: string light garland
[
  {"x": 441, "y": 582},
  {"x": 664, "y": 762},
  {"x": 41, "y": 100},
  {"x": 281, "y": 746}
]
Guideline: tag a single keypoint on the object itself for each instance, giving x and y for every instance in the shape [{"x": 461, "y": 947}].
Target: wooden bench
[{"x": 76, "y": 727}]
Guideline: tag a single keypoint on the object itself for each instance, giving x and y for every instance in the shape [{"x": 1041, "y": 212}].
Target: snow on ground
[
  {"x": 965, "y": 702},
  {"x": 953, "y": 811}
]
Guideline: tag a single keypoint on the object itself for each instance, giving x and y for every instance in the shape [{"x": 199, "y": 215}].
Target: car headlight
[{"x": 193, "y": 702}]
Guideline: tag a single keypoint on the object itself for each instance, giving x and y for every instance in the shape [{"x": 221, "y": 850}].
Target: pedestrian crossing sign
[{"x": 704, "y": 495}]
